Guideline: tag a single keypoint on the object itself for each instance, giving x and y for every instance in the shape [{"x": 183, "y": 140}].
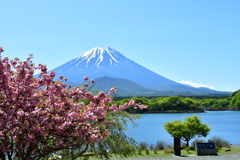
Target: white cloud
[{"x": 193, "y": 84}]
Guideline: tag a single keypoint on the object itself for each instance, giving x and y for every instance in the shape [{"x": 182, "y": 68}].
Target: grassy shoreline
[{"x": 163, "y": 153}]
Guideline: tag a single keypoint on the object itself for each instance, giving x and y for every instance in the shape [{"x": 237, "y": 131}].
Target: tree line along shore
[{"x": 181, "y": 104}]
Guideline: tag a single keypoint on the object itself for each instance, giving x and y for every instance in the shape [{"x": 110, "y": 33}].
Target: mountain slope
[
  {"x": 106, "y": 61},
  {"x": 128, "y": 88},
  {"x": 123, "y": 85}
]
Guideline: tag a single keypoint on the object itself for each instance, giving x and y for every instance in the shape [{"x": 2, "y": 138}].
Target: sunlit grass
[
  {"x": 232, "y": 150},
  {"x": 169, "y": 153}
]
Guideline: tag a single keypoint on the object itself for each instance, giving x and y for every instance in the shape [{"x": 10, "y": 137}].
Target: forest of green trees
[{"x": 176, "y": 104}]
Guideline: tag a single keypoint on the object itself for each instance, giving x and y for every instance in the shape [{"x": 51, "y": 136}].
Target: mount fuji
[{"x": 107, "y": 62}]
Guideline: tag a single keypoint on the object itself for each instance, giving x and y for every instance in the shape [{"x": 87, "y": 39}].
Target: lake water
[{"x": 150, "y": 129}]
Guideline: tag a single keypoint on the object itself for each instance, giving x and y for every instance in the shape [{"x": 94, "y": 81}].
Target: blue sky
[{"x": 196, "y": 41}]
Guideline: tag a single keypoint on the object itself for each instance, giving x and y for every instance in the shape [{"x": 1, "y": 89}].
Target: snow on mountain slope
[
  {"x": 98, "y": 57},
  {"x": 101, "y": 55}
]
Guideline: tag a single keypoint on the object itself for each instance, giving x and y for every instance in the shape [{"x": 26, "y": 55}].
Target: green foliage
[
  {"x": 234, "y": 93},
  {"x": 139, "y": 150},
  {"x": 155, "y": 151},
  {"x": 228, "y": 103},
  {"x": 172, "y": 104},
  {"x": 187, "y": 149},
  {"x": 117, "y": 143},
  {"x": 84, "y": 100},
  {"x": 235, "y": 101},
  {"x": 179, "y": 104},
  {"x": 215, "y": 104},
  {"x": 147, "y": 151},
  {"x": 190, "y": 128}
]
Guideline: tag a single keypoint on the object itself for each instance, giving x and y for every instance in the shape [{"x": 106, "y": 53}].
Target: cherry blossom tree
[{"x": 40, "y": 115}]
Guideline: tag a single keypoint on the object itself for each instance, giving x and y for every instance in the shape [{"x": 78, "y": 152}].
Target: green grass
[
  {"x": 185, "y": 153},
  {"x": 162, "y": 153},
  {"x": 233, "y": 150},
  {"x": 152, "y": 154}
]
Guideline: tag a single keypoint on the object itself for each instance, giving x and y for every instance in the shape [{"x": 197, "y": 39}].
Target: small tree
[{"x": 191, "y": 128}]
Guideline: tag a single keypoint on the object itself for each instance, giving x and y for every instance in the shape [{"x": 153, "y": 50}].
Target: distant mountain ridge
[
  {"x": 127, "y": 88},
  {"x": 107, "y": 62}
]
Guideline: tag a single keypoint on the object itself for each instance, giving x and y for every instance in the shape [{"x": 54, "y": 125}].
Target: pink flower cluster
[
  {"x": 39, "y": 115},
  {"x": 1, "y": 49}
]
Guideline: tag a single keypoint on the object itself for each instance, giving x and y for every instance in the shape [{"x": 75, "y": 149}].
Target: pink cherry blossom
[
  {"x": 112, "y": 90},
  {"x": 35, "y": 111},
  {"x": 1, "y": 49},
  {"x": 20, "y": 113},
  {"x": 131, "y": 102}
]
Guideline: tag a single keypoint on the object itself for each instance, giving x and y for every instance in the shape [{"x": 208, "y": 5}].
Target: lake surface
[{"x": 150, "y": 129}]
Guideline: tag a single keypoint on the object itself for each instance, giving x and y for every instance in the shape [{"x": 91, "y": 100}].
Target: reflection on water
[{"x": 225, "y": 124}]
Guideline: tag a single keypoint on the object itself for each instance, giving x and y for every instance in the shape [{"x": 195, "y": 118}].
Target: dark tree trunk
[
  {"x": 177, "y": 146},
  {"x": 2, "y": 156},
  {"x": 9, "y": 156}
]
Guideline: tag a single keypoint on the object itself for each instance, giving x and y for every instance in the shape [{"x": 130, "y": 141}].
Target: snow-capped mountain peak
[{"x": 100, "y": 56}]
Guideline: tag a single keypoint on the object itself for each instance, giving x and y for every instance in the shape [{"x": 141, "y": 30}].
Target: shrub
[
  {"x": 139, "y": 151},
  {"x": 160, "y": 145},
  {"x": 155, "y": 151},
  {"x": 143, "y": 145},
  {"x": 147, "y": 151},
  {"x": 219, "y": 142},
  {"x": 187, "y": 149}
]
